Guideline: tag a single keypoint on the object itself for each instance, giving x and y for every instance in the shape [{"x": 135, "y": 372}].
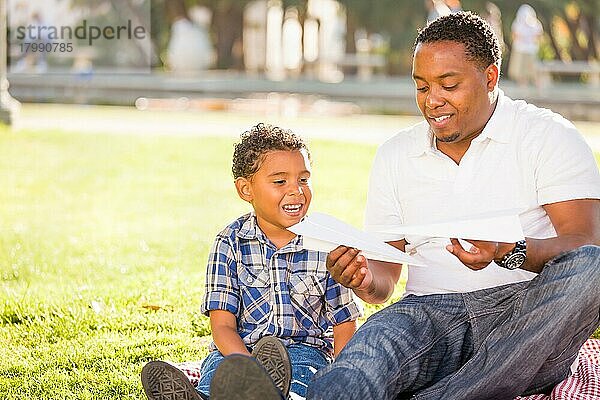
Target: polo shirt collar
[
  {"x": 424, "y": 142},
  {"x": 497, "y": 129}
]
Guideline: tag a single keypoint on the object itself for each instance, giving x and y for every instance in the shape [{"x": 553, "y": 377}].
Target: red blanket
[{"x": 584, "y": 384}]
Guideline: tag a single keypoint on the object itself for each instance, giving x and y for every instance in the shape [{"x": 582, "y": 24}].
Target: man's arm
[
  {"x": 373, "y": 281},
  {"x": 576, "y": 222}
]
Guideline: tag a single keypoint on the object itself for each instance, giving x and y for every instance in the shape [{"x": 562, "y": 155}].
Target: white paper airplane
[
  {"x": 323, "y": 232},
  {"x": 497, "y": 226}
]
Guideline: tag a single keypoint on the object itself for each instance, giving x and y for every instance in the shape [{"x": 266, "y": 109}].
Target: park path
[
  {"x": 372, "y": 129},
  {"x": 128, "y": 120}
]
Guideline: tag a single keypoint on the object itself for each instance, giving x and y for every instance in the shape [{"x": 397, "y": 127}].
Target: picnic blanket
[{"x": 584, "y": 384}]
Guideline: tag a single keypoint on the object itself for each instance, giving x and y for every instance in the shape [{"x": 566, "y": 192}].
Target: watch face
[{"x": 515, "y": 261}]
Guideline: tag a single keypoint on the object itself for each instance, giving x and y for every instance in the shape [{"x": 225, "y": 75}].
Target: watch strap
[{"x": 515, "y": 258}]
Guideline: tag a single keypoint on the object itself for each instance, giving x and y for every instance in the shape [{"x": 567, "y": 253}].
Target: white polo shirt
[{"x": 524, "y": 158}]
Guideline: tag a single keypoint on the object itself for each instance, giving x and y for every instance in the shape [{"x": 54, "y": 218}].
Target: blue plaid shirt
[{"x": 284, "y": 292}]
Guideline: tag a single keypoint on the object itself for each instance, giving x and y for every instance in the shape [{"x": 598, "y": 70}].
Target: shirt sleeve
[
  {"x": 341, "y": 303},
  {"x": 565, "y": 167},
  {"x": 221, "y": 287}
]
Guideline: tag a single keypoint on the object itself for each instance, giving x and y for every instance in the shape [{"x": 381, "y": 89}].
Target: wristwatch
[{"x": 515, "y": 258}]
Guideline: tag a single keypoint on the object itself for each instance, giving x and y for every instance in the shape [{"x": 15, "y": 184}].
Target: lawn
[{"x": 103, "y": 244}]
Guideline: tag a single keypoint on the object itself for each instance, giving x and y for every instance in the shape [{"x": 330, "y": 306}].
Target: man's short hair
[
  {"x": 478, "y": 37},
  {"x": 257, "y": 142}
]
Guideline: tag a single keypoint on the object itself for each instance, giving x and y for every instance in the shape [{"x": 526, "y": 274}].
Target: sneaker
[
  {"x": 239, "y": 377},
  {"x": 273, "y": 356},
  {"x": 163, "y": 381}
]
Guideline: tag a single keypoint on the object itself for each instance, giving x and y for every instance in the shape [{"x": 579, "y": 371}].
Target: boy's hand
[{"x": 349, "y": 268}]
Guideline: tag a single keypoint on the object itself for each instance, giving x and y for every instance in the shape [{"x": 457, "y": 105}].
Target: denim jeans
[
  {"x": 305, "y": 360},
  {"x": 495, "y": 343}
]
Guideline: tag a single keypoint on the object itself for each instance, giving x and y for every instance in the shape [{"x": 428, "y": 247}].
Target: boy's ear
[{"x": 243, "y": 188}]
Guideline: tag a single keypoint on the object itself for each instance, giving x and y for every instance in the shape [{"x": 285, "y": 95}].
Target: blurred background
[
  {"x": 115, "y": 174},
  {"x": 293, "y": 56}
]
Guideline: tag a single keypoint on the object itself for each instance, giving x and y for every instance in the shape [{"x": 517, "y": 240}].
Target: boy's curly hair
[
  {"x": 471, "y": 30},
  {"x": 249, "y": 153}
]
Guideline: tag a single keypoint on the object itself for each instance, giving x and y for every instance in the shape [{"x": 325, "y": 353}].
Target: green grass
[{"x": 103, "y": 244}]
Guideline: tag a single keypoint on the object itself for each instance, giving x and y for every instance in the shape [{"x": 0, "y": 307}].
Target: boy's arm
[
  {"x": 224, "y": 332},
  {"x": 342, "y": 334}
]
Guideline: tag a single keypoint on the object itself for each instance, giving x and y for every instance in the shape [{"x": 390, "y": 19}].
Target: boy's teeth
[
  {"x": 440, "y": 119},
  {"x": 294, "y": 207}
]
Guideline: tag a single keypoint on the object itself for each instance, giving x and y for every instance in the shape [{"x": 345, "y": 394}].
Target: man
[
  {"x": 492, "y": 320},
  {"x": 495, "y": 320}
]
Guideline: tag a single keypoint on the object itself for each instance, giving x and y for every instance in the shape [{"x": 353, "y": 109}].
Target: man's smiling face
[{"x": 452, "y": 91}]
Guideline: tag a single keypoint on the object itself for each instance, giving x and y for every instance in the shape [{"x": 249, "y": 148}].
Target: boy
[{"x": 261, "y": 285}]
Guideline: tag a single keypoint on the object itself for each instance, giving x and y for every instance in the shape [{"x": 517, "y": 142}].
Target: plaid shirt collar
[{"x": 251, "y": 231}]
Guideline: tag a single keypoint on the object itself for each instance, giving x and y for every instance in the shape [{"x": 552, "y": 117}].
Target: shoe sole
[
  {"x": 162, "y": 381},
  {"x": 240, "y": 377},
  {"x": 273, "y": 356}
]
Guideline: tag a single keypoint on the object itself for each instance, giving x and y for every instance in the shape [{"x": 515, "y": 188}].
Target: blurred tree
[
  {"x": 571, "y": 27},
  {"x": 227, "y": 26},
  {"x": 105, "y": 12},
  {"x": 226, "y": 29},
  {"x": 581, "y": 19},
  {"x": 397, "y": 21}
]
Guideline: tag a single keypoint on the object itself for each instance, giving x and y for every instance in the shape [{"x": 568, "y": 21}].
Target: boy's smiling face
[{"x": 280, "y": 192}]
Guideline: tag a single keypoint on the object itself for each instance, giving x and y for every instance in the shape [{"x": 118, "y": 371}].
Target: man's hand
[
  {"x": 577, "y": 223},
  {"x": 481, "y": 253},
  {"x": 349, "y": 268},
  {"x": 372, "y": 281}
]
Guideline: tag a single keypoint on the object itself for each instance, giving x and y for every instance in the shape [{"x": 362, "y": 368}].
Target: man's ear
[
  {"x": 244, "y": 189},
  {"x": 492, "y": 75}
]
